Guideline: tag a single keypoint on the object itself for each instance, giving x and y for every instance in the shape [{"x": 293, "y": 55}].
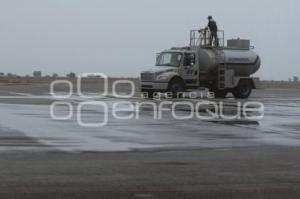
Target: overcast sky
[{"x": 121, "y": 37}]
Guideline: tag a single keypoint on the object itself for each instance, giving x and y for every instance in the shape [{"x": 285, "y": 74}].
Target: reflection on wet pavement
[{"x": 29, "y": 126}]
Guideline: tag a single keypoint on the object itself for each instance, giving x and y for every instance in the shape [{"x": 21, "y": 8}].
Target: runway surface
[
  {"x": 41, "y": 157},
  {"x": 26, "y": 124}
]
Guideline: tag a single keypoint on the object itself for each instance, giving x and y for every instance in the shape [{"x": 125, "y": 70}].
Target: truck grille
[{"x": 147, "y": 77}]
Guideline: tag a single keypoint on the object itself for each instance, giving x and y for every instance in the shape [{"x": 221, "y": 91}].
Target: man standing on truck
[{"x": 213, "y": 28}]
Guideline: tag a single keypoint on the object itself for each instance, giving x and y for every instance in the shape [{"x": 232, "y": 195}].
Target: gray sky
[{"x": 120, "y": 38}]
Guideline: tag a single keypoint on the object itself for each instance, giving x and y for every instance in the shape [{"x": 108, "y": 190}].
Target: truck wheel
[
  {"x": 176, "y": 86},
  {"x": 243, "y": 90},
  {"x": 220, "y": 93}
]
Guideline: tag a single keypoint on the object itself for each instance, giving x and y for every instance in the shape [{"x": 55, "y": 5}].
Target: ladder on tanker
[{"x": 222, "y": 67}]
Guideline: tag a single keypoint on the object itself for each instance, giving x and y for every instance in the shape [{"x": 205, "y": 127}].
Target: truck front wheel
[
  {"x": 176, "y": 86},
  {"x": 243, "y": 90}
]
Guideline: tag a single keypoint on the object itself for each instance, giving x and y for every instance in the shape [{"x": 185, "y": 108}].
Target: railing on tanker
[{"x": 202, "y": 38}]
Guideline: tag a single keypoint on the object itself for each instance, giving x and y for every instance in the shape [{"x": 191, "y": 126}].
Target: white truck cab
[{"x": 177, "y": 66}]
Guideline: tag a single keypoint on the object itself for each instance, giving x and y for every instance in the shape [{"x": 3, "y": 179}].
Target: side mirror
[{"x": 189, "y": 60}]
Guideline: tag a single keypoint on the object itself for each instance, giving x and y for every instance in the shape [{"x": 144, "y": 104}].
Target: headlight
[{"x": 163, "y": 78}]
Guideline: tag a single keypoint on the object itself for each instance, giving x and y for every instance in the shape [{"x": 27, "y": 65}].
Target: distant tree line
[{"x": 37, "y": 74}]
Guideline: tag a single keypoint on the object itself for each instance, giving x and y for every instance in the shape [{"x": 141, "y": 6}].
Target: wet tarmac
[
  {"x": 26, "y": 124},
  {"x": 144, "y": 156}
]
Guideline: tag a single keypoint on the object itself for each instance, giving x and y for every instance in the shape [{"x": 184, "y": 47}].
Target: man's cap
[{"x": 209, "y": 17}]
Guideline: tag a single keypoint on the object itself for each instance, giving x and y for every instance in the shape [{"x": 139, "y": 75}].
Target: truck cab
[{"x": 175, "y": 71}]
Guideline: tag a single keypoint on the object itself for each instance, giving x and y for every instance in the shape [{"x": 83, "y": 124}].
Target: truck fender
[
  {"x": 254, "y": 81},
  {"x": 171, "y": 75},
  {"x": 176, "y": 77}
]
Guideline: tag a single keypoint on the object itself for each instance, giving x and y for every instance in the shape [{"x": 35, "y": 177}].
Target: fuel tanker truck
[{"x": 222, "y": 69}]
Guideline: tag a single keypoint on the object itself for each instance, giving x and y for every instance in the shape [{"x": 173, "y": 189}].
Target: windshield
[{"x": 169, "y": 59}]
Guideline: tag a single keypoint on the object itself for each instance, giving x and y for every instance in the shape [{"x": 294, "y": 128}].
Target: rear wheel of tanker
[
  {"x": 220, "y": 93},
  {"x": 243, "y": 90},
  {"x": 176, "y": 86}
]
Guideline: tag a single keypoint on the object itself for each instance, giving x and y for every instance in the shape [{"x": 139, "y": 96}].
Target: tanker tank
[{"x": 243, "y": 62}]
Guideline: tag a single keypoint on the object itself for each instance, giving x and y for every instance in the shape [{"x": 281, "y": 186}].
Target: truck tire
[
  {"x": 176, "y": 86},
  {"x": 220, "y": 93},
  {"x": 243, "y": 90}
]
